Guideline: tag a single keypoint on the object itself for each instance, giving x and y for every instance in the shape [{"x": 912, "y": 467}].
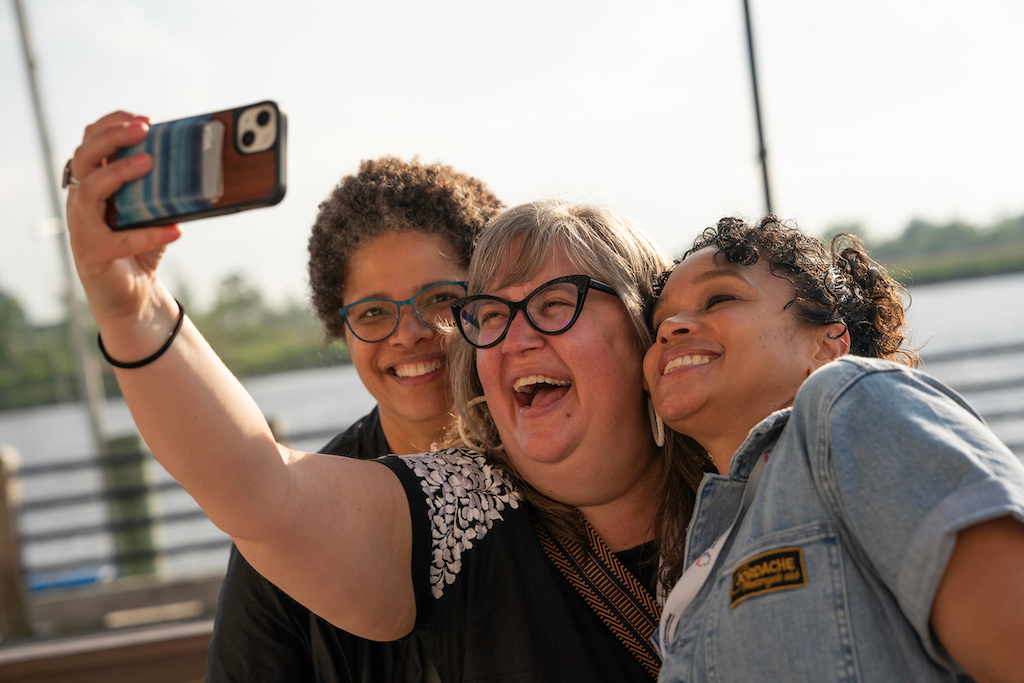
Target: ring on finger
[{"x": 69, "y": 180}]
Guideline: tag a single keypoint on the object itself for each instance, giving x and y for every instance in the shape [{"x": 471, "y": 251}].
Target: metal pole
[
  {"x": 762, "y": 152},
  {"x": 88, "y": 369}
]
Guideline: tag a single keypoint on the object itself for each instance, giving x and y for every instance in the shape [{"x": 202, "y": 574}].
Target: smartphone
[{"x": 203, "y": 166}]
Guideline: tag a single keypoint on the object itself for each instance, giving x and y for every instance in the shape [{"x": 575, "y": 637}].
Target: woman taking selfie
[
  {"x": 424, "y": 217},
  {"x": 865, "y": 524},
  {"x": 500, "y": 558}
]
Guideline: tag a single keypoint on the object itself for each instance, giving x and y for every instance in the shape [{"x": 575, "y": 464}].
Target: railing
[
  {"x": 934, "y": 362},
  {"x": 129, "y": 491},
  {"x": 115, "y": 526},
  {"x": 131, "y": 517}
]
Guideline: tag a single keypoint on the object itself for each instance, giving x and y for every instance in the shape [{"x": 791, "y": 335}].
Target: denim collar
[
  {"x": 718, "y": 496},
  {"x": 764, "y": 433}
]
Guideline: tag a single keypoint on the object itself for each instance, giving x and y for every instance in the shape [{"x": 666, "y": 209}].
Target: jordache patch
[{"x": 768, "y": 572}]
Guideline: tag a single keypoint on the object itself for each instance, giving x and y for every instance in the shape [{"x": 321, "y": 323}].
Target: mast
[
  {"x": 762, "y": 152},
  {"x": 88, "y": 368}
]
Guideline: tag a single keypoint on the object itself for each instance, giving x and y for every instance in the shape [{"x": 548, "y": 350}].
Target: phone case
[{"x": 204, "y": 166}]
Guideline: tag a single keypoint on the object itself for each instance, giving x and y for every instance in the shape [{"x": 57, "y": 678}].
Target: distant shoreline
[
  {"x": 296, "y": 343},
  {"x": 957, "y": 265}
]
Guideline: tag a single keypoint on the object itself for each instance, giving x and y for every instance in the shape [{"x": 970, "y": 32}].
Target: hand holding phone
[{"x": 204, "y": 166}]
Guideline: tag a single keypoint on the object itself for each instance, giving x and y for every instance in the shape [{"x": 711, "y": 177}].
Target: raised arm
[{"x": 334, "y": 533}]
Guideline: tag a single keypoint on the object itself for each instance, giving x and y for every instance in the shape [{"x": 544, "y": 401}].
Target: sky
[{"x": 874, "y": 112}]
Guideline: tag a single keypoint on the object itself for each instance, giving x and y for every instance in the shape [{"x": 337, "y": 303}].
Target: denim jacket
[{"x": 829, "y": 575}]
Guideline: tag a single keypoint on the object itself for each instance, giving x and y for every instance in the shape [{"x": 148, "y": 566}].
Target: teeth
[
  {"x": 686, "y": 361},
  {"x": 418, "y": 369},
  {"x": 525, "y": 385}
]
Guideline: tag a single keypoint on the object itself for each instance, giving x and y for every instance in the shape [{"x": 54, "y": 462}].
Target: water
[
  {"x": 327, "y": 399},
  {"x": 975, "y": 313},
  {"x": 945, "y": 317},
  {"x": 968, "y": 313}
]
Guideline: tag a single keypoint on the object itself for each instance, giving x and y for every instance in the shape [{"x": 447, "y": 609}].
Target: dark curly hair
[
  {"x": 837, "y": 283},
  {"x": 389, "y": 195}
]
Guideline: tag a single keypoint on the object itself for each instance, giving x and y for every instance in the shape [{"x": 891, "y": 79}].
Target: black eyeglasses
[
  {"x": 374, "y": 320},
  {"x": 552, "y": 308}
]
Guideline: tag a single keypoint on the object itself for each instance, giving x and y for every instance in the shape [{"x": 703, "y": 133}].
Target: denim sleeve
[{"x": 906, "y": 465}]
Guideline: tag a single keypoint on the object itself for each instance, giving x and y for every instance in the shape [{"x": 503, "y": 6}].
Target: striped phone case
[{"x": 205, "y": 166}]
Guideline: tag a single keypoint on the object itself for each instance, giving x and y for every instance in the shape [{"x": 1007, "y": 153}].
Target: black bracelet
[{"x": 145, "y": 361}]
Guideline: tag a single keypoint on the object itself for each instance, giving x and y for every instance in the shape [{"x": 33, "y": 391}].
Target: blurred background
[
  {"x": 875, "y": 114},
  {"x": 898, "y": 121}
]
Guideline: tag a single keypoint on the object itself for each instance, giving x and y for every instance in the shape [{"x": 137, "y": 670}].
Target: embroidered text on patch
[
  {"x": 465, "y": 495},
  {"x": 768, "y": 572}
]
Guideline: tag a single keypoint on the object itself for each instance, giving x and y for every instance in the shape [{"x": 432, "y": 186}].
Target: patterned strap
[{"x": 616, "y": 596}]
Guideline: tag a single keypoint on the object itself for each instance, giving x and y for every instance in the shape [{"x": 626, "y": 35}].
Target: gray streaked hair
[{"x": 599, "y": 242}]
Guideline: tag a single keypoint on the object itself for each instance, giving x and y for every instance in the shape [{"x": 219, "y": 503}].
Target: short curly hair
[
  {"x": 834, "y": 283},
  {"x": 386, "y": 196}
]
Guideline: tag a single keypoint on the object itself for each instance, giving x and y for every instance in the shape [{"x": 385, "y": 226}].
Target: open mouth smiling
[
  {"x": 535, "y": 391},
  {"x": 686, "y": 361},
  {"x": 418, "y": 369}
]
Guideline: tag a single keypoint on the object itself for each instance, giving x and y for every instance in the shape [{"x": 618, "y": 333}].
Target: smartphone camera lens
[{"x": 256, "y": 128}]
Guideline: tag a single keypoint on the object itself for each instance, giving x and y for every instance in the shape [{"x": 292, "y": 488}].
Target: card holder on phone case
[{"x": 200, "y": 171}]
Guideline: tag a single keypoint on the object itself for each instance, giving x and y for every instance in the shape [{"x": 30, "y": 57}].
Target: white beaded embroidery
[{"x": 465, "y": 495}]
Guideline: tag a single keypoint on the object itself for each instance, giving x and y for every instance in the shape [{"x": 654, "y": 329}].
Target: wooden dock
[
  {"x": 139, "y": 629},
  {"x": 174, "y": 653}
]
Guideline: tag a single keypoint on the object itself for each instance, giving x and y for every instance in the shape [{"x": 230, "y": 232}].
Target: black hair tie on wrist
[{"x": 145, "y": 361}]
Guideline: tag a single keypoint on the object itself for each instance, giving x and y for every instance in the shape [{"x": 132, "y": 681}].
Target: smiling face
[
  {"x": 405, "y": 372},
  {"x": 727, "y": 353},
  {"x": 569, "y": 407}
]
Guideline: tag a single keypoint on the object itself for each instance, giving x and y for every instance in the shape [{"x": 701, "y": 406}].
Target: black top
[
  {"x": 490, "y": 605},
  {"x": 261, "y": 634}
]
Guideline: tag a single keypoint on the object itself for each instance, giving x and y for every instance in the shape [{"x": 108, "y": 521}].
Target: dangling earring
[
  {"x": 657, "y": 424},
  {"x": 460, "y": 425},
  {"x": 464, "y": 437}
]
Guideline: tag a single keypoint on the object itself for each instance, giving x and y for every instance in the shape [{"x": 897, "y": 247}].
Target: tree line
[
  {"x": 37, "y": 365},
  {"x": 933, "y": 252}
]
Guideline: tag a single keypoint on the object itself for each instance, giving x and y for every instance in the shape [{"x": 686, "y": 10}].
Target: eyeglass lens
[
  {"x": 375, "y": 319},
  {"x": 551, "y": 309}
]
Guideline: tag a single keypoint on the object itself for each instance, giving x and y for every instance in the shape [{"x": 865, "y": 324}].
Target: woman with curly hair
[
  {"x": 395, "y": 233},
  {"x": 864, "y": 524}
]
